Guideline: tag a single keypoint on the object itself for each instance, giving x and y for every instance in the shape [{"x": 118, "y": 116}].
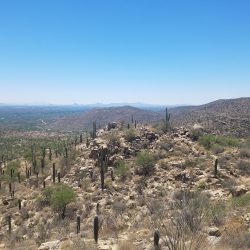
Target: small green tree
[
  {"x": 146, "y": 162},
  {"x": 122, "y": 170},
  {"x": 59, "y": 197}
]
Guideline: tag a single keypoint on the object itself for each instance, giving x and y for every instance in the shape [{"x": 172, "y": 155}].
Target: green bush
[
  {"x": 160, "y": 127},
  {"x": 244, "y": 167},
  {"x": 195, "y": 134},
  {"x": 208, "y": 141},
  {"x": 146, "y": 162},
  {"x": 122, "y": 169},
  {"x": 130, "y": 135},
  {"x": 242, "y": 200},
  {"x": 59, "y": 197}
]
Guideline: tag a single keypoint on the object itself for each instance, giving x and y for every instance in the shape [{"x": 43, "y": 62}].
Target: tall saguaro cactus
[
  {"x": 94, "y": 130},
  {"x": 9, "y": 224},
  {"x": 78, "y": 224},
  {"x": 54, "y": 172},
  {"x": 167, "y": 120},
  {"x": 96, "y": 228},
  {"x": 216, "y": 167}
]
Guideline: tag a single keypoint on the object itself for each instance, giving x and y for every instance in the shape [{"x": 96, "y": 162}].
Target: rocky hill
[
  {"x": 103, "y": 116},
  {"x": 140, "y": 184},
  {"x": 230, "y": 116}
]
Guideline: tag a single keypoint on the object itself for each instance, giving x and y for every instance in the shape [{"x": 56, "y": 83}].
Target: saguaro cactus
[
  {"x": 80, "y": 138},
  {"x": 216, "y": 167},
  {"x": 78, "y": 223},
  {"x": 9, "y": 224},
  {"x": 50, "y": 154},
  {"x": 167, "y": 120},
  {"x": 19, "y": 177},
  {"x": 66, "y": 152},
  {"x": 19, "y": 204},
  {"x": 94, "y": 130},
  {"x": 54, "y": 173},
  {"x": 97, "y": 208},
  {"x": 156, "y": 239},
  {"x": 96, "y": 228},
  {"x": 112, "y": 175}
]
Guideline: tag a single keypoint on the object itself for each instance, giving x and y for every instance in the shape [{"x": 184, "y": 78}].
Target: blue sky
[{"x": 151, "y": 51}]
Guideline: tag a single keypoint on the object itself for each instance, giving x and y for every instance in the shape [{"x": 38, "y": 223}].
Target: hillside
[
  {"x": 134, "y": 181},
  {"x": 231, "y": 116},
  {"x": 103, "y": 116}
]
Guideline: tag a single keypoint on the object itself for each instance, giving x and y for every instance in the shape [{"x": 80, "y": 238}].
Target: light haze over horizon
[{"x": 115, "y": 51}]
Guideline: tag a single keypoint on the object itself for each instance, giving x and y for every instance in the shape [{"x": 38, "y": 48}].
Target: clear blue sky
[{"x": 151, "y": 51}]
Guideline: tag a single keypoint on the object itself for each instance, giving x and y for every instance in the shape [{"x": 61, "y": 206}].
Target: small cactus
[
  {"x": 96, "y": 228},
  {"x": 167, "y": 120},
  {"x": 54, "y": 173},
  {"x": 156, "y": 239},
  {"x": 19, "y": 177},
  {"x": 19, "y": 204},
  {"x": 112, "y": 175},
  {"x": 97, "y": 208},
  {"x": 78, "y": 224},
  {"x": 59, "y": 177},
  {"x": 9, "y": 224},
  {"x": 216, "y": 167},
  {"x": 94, "y": 130}
]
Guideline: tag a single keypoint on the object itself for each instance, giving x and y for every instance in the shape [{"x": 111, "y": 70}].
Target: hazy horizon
[{"x": 153, "y": 52}]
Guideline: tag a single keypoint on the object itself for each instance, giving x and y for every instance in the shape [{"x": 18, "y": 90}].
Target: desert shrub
[
  {"x": 238, "y": 239},
  {"x": 244, "y": 153},
  {"x": 113, "y": 139},
  {"x": 210, "y": 140},
  {"x": 190, "y": 163},
  {"x": 160, "y": 127},
  {"x": 195, "y": 134},
  {"x": 119, "y": 207},
  {"x": 130, "y": 135},
  {"x": 165, "y": 144},
  {"x": 59, "y": 197},
  {"x": 241, "y": 201},
  {"x": 244, "y": 167},
  {"x": 146, "y": 162},
  {"x": 122, "y": 169},
  {"x": 187, "y": 216},
  {"x": 217, "y": 149},
  {"x": 218, "y": 213}
]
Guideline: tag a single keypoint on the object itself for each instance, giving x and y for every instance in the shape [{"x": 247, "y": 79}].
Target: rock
[
  {"x": 112, "y": 125},
  {"x": 239, "y": 190},
  {"x": 51, "y": 245},
  {"x": 5, "y": 202},
  {"x": 151, "y": 136},
  {"x": 214, "y": 231}
]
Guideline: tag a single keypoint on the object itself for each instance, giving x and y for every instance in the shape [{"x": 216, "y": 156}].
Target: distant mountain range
[{"x": 230, "y": 116}]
